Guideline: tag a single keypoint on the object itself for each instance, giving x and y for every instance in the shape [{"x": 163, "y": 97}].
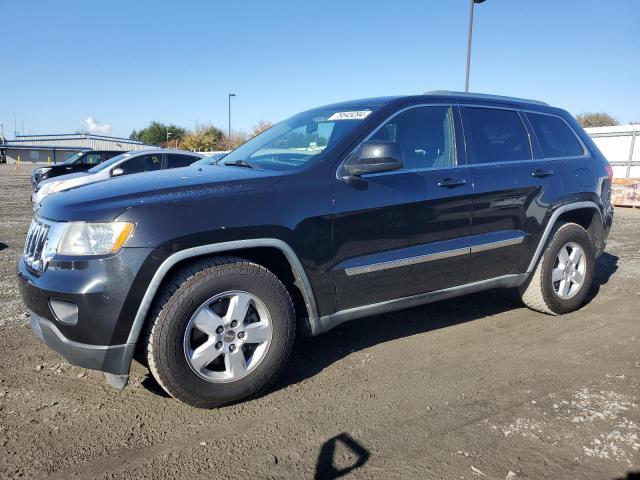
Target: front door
[{"x": 403, "y": 233}]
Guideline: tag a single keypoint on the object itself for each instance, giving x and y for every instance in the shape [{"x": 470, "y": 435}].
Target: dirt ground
[{"x": 475, "y": 387}]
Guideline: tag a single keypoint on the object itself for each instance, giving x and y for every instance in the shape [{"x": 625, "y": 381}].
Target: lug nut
[
  {"x": 241, "y": 335},
  {"x": 219, "y": 330},
  {"x": 232, "y": 347},
  {"x": 234, "y": 324},
  {"x": 219, "y": 345}
]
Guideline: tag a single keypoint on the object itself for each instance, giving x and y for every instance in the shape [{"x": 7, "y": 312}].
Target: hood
[
  {"x": 63, "y": 178},
  {"x": 103, "y": 201}
]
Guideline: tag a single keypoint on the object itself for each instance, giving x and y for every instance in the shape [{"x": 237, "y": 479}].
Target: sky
[{"x": 118, "y": 65}]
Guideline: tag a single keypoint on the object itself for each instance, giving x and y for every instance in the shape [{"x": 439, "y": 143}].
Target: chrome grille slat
[{"x": 34, "y": 246}]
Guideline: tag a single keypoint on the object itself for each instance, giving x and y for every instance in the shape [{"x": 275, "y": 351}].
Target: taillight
[{"x": 609, "y": 170}]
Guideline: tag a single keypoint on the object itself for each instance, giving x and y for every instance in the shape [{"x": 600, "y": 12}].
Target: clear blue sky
[{"x": 125, "y": 63}]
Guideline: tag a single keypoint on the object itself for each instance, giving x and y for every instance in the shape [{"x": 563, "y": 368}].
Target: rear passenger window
[
  {"x": 498, "y": 135},
  {"x": 425, "y": 134},
  {"x": 555, "y": 136},
  {"x": 175, "y": 161}
]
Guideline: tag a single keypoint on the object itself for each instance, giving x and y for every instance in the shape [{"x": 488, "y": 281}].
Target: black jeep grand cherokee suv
[{"x": 337, "y": 213}]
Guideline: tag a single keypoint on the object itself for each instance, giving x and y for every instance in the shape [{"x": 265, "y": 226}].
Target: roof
[
  {"x": 482, "y": 96},
  {"x": 69, "y": 136}
]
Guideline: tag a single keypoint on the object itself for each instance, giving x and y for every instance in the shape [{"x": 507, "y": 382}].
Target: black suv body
[
  {"x": 338, "y": 213},
  {"x": 80, "y": 162}
]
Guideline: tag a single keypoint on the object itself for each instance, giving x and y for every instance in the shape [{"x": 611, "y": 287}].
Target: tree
[
  {"x": 238, "y": 137},
  {"x": 205, "y": 138},
  {"x": 134, "y": 135},
  {"x": 156, "y": 133},
  {"x": 260, "y": 127},
  {"x": 596, "y": 119}
]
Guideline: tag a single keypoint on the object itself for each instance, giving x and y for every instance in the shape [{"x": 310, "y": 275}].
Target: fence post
[{"x": 633, "y": 142}]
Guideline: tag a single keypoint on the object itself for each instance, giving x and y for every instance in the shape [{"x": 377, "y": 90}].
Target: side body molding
[
  {"x": 301, "y": 279},
  {"x": 552, "y": 221}
]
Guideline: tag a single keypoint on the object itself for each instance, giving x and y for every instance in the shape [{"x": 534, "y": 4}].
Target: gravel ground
[{"x": 476, "y": 387}]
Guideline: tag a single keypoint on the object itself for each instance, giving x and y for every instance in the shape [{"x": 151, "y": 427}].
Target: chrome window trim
[
  {"x": 525, "y": 111},
  {"x": 451, "y": 105},
  {"x": 429, "y": 257}
]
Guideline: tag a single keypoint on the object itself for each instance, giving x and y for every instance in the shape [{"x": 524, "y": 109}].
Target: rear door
[
  {"x": 402, "y": 233},
  {"x": 514, "y": 188}
]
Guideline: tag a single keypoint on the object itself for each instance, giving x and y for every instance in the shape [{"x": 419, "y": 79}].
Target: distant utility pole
[
  {"x": 466, "y": 82},
  {"x": 168, "y": 135},
  {"x": 2, "y": 129},
  {"x": 229, "y": 137}
]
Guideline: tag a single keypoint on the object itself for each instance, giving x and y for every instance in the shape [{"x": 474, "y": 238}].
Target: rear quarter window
[{"x": 556, "y": 138}]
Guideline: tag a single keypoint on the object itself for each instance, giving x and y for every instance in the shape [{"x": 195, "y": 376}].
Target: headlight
[
  {"x": 42, "y": 170},
  {"x": 81, "y": 238},
  {"x": 49, "y": 188}
]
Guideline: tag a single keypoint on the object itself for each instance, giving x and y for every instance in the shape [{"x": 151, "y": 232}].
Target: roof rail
[{"x": 484, "y": 96}]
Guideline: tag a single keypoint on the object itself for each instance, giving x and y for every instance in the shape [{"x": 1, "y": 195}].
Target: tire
[
  {"x": 541, "y": 293},
  {"x": 201, "y": 298}
]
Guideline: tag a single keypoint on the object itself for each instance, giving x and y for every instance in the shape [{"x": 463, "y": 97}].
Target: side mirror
[
  {"x": 375, "y": 157},
  {"x": 117, "y": 171}
]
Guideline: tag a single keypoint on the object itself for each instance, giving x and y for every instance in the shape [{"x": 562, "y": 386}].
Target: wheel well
[
  {"x": 270, "y": 258},
  {"x": 587, "y": 218}
]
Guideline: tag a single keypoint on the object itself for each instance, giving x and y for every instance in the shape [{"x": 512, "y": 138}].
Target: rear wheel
[
  {"x": 563, "y": 276},
  {"x": 221, "y": 333}
]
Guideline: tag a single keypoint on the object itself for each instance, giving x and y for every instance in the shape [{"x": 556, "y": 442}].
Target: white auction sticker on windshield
[{"x": 357, "y": 115}]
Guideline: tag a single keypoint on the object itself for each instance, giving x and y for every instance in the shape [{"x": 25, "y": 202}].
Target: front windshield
[
  {"x": 72, "y": 160},
  {"x": 296, "y": 141},
  {"x": 108, "y": 163}
]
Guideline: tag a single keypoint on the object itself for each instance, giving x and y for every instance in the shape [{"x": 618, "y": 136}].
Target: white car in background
[{"x": 124, "y": 164}]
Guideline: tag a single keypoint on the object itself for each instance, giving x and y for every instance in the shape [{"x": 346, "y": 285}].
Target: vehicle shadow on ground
[
  {"x": 3, "y": 246},
  {"x": 312, "y": 355}
]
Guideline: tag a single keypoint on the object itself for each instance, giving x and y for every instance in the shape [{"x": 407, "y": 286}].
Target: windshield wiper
[{"x": 238, "y": 163}]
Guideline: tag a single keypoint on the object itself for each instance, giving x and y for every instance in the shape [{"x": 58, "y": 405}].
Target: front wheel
[
  {"x": 221, "y": 333},
  {"x": 561, "y": 281}
]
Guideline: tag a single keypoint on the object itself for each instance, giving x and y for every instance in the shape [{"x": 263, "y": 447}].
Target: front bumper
[{"x": 114, "y": 359}]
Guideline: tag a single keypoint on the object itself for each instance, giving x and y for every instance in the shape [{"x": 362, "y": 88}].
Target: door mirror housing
[
  {"x": 375, "y": 157},
  {"x": 117, "y": 172}
]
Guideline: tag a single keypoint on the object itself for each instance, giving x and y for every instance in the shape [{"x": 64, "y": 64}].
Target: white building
[
  {"x": 620, "y": 144},
  {"x": 57, "y": 148}
]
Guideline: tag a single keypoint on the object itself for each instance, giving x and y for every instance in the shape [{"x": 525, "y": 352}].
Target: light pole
[
  {"x": 466, "y": 82},
  {"x": 168, "y": 135},
  {"x": 229, "y": 137}
]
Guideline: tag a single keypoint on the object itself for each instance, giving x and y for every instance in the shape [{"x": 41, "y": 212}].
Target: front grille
[{"x": 34, "y": 246}]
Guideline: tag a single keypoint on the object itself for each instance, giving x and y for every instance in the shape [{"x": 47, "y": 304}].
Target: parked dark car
[
  {"x": 337, "y": 213},
  {"x": 80, "y": 162}
]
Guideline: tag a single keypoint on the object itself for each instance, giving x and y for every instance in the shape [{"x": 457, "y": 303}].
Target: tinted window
[
  {"x": 175, "y": 161},
  {"x": 555, "y": 136},
  {"x": 425, "y": 134},
  {"x": 143, "y": 163},
  {"x": 498, "y": 135},
  {"x": 92, "y": 158}
]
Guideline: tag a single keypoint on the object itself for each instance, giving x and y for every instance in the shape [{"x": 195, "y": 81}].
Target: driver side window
[{"x": 425, "y": 134}]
